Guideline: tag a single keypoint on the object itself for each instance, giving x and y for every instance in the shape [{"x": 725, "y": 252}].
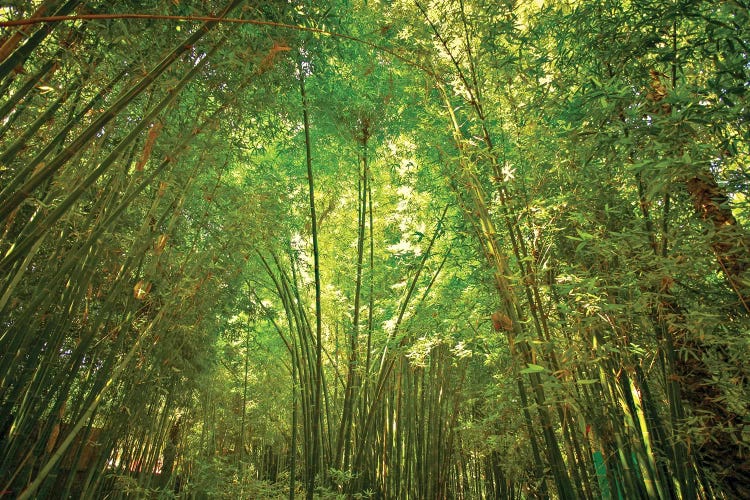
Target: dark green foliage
[{"x": 454, "y": 249}]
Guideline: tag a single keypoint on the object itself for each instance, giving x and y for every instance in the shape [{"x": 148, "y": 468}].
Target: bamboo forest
[{"x": 375, "y": 249}]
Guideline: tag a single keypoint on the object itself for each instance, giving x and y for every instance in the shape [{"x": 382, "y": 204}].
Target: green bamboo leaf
[{"x": 532, "y": 368}]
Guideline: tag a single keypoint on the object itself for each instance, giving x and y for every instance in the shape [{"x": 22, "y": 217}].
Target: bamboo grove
[{"x": 374, "y": 249}]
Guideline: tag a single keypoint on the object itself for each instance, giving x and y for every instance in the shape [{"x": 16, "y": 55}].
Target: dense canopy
[{"x": 385, "y": 249}]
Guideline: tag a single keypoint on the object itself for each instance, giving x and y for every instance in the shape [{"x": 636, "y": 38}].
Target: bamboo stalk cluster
[{"x": 255, "y": 264}]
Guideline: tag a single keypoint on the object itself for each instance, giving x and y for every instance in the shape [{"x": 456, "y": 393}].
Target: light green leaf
[{"x": 532, "y": 368}]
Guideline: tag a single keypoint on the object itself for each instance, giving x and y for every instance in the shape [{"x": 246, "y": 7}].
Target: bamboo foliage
[{"x": 455, "y": 249}]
